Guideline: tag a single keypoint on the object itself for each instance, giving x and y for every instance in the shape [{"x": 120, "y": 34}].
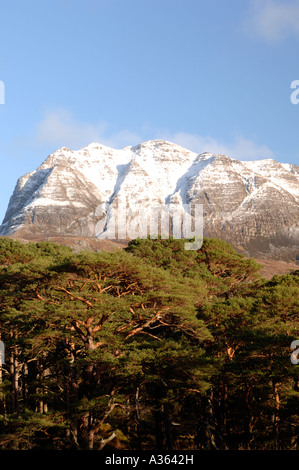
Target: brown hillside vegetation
[{"x": 270, "y": 267}]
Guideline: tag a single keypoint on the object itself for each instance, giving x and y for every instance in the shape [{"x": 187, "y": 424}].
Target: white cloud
[
  {"x": 61, "y": 129},
  {"x": 241, "y": 148},
  {"x": 273, "y": 20}
]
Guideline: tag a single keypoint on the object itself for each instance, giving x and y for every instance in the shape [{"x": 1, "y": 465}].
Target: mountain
[{"x": 253, "y": 205}]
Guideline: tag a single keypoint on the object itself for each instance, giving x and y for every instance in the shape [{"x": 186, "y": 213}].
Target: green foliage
[
  {"x": 152, "y": 347},
  {"x": 216, "y": 265}
]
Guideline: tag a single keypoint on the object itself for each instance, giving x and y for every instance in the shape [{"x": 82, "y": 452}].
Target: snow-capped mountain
[{"x": 253, "y": 205}]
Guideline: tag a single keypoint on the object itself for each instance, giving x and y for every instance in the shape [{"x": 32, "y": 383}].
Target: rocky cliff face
[{"x": 253, "y": 205}]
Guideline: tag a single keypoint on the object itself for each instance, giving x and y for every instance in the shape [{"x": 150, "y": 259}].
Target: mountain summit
[{"x": 252, "y": 205}]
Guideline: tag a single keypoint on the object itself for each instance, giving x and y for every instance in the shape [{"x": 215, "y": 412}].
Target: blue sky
[{"x": 209, "y": 75}]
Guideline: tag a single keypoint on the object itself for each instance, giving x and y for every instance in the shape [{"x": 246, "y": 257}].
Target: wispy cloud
[
  {"x": 272, "y": 20},
  {"x": 240, "y": 148},
  {"x": 60, "y": 128}
]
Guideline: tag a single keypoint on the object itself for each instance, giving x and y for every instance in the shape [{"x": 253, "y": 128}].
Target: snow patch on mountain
[{"x": 71, "y": 190}]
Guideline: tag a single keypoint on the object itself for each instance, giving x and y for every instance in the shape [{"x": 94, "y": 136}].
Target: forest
[{"x": 152, "y": 347}]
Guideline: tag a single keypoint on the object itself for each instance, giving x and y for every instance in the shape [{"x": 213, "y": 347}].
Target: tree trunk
[
  {"x": 275, "y": 416},
  {"x": 158, "y": 429},
  {"x": 167, "y": 426}
]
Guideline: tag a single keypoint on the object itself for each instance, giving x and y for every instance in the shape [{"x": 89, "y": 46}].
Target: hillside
[
  {"x": 252, "y": 205},
  {"x": 268, "y": 270}
]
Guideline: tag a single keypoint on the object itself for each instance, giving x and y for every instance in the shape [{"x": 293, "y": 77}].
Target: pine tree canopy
[{"x": 150, "y": 347}]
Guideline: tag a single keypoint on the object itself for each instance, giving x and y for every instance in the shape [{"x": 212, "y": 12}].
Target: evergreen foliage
[{"x": 152, "y": 347}]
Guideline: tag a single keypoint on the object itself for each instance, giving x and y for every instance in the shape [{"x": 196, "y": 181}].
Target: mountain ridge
[{"x": 254, "y": 205}]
